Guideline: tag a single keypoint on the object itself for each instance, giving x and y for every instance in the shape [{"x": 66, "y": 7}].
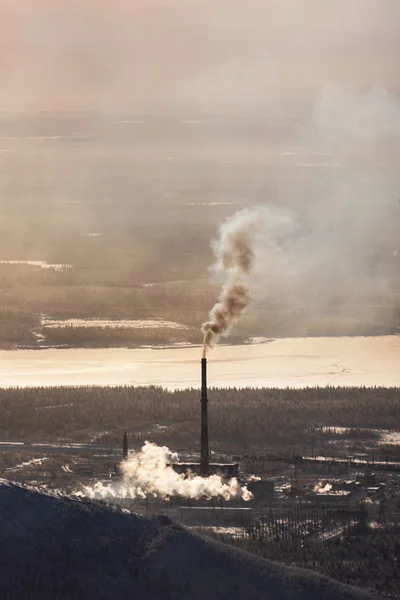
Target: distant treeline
[
  {"x": 184, "y": 302},
  {"x": 22, "y": 307},
  {"x": 122, "y": 336},
  {"x": 161, "y": 275},
  {"x": 240, "y": 420}
]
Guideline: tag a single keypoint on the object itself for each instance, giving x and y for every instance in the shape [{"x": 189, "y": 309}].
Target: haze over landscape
[
  {"x": 198, "y": 178},
  {"x": 115, "y": 153},
  {"x": 151, "y": 57}
]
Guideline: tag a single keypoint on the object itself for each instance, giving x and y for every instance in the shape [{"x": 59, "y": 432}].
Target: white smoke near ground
[
  {"x": 320, "y": 488},
  {"x": 253, "y": 478},
  {"x": 149, "y": 472}
]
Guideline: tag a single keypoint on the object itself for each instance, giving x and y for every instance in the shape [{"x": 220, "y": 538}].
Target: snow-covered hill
[{"x": 54, "y": 548}]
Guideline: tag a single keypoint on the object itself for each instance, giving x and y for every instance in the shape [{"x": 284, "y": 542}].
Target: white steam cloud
[
  {"x": 320, "y": 488},
  {"x": 148, "y": 472}
]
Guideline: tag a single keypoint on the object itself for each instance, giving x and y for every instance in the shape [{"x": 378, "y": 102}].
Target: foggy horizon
[
  {"x": 193, "y": 57},
  {"x": 130, "y": 132}
]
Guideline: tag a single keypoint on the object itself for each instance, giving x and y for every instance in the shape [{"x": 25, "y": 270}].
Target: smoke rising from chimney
[
  {"x": 234, "y": 261},
  {"x": 149, "y": 472}
]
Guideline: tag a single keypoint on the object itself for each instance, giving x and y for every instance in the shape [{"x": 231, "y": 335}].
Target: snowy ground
[
  {"x": 288, "y": 362},
  {"x": 151, "y": 323},
  {"x": 41, "y": 264},
  {"x": 385, "y": 436}
]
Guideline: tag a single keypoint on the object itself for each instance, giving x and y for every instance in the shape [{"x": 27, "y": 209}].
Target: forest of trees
[
  {"x": 240, "y": 420},
  {"x": 367, "y": 557},
  {"x": 179, "y": 289}
]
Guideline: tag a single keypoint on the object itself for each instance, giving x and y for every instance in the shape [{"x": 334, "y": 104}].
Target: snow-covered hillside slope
[{"x": 54, "y": 548}]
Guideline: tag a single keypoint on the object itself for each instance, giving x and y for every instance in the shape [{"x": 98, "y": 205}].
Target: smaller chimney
[
  {"x": 204, "y": 457},
  {"x": 125, "y": 446}
]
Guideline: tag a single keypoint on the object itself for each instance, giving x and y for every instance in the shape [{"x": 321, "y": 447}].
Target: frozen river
[{"x": 285, "y": 362}]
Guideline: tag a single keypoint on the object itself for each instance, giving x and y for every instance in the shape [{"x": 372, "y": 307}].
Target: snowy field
[
  {"x": 293, "y": 362},
  {"x": 151, "y": 323}
]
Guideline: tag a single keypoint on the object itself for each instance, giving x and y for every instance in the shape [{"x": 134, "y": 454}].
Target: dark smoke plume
[{"x": 234, "y": 253}]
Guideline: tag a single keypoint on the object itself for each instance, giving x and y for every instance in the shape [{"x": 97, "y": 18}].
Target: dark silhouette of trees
[{"x": 241, "y": 420}]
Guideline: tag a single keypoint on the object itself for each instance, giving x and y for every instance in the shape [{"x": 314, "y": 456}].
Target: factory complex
[{"x": 286, "y": 496}]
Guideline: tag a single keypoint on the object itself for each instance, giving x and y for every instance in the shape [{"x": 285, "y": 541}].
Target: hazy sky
[{"x": 146, "y": 55}]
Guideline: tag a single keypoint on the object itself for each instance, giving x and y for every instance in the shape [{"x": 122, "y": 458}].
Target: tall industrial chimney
[{"x": 204, "y": 457}]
